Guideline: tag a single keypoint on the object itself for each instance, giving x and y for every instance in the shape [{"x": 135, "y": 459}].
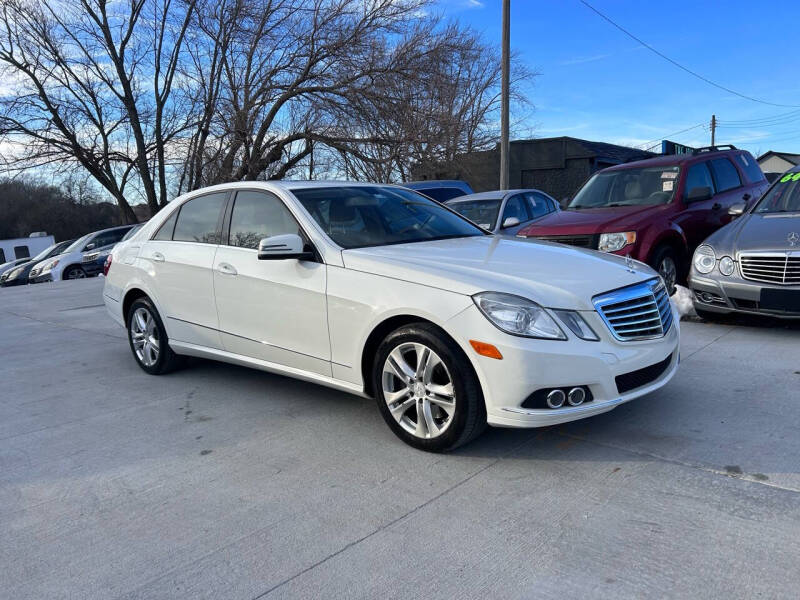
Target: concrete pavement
[{"x": 222, "y": 482}]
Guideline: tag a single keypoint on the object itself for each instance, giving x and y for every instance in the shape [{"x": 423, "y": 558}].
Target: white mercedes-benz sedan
[{"x": 379, "y": 291}]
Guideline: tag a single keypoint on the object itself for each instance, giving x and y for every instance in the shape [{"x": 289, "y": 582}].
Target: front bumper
[
  {"x": 529, "y": 365},
  {"x": 726, "y": 295},
  {"x": 41, "y": 278}
]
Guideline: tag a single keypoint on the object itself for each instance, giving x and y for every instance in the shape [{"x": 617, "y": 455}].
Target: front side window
[
  {"x": 360, "y": 216},
  {"x": 698, "y": 176},
  {"x": 628, "y": 187},
  {"x": 256, "y": 216},
  {"x": 198, "y": 219},
  {"x": 725, "y": 174},
  {"x": 782, "y": 197},
  {"x": 539, "y": 204},
  {"x": 515, "y": 208}
]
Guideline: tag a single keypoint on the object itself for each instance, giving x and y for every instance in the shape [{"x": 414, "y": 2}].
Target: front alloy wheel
[
  {"x": 426, "y": 388},
  {"x": 418, "y": 390}
]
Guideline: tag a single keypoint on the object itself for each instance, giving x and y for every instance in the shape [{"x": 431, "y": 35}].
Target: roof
[
  {"x": 787, "y": 156},
  {"x": 670, "y": 160},
  {"x": 492, "y": 195},
  {"x": 611, "y": 152}
]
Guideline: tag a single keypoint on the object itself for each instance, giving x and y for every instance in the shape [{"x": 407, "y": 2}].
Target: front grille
[
  {"x": 641, "y": 377},
  {"x": 583, "y": 241},
  {"x": 636, "y": 312},
  {"x": 781, "y": 268}
]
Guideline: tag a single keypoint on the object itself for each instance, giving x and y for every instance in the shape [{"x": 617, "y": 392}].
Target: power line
[
  {"x": 658, "y": 141},
  {"x": 760, "y": 120},
  {"x": 680, "y": 66}
]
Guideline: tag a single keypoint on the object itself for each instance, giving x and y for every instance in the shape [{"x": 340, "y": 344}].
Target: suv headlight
[
  {"x": 611, "y": 242},
  {"x": 704, "y": 259},
  {"x": 518, "y": 316}
]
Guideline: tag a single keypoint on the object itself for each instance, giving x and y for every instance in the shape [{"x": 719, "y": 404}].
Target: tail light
[{"x": 107, "y": 266}]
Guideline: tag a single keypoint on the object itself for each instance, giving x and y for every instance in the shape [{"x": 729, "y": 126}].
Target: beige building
[{"x": 777, "y": 162}]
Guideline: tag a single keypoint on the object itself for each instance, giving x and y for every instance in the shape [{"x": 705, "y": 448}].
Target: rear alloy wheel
[
  {"x": 148, "y": 339},
  {"x": 74, "y": 273},
  {"x": 426, "y": 389}
]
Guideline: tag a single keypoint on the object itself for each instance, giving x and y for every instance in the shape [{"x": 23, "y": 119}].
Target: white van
[{"x": 15, "y": 248}]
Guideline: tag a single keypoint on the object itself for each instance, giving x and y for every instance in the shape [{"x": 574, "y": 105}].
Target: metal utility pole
[
  {"x": 506, "y": 67},
  {"x": 713, "y": 128}
]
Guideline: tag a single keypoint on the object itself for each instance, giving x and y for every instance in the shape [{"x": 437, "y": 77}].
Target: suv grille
[
  {"x": 636, "y": 312},
  {"x": 771, "y": 267},
  {"x": 583, "y": 241}
]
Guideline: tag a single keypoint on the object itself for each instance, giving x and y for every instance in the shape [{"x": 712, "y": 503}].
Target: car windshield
[
  {"x": 628, "y": 187},
  {"x": 360, "y": 216},
  {"x": 482, "y": 212},
  {"x": 783, "y": 197},
  {"x": 44, "y": 253},
  {"x": 77, "y": 243}
]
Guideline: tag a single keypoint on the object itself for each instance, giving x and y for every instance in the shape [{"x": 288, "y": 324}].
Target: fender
[{"x": 655, "y": 236}]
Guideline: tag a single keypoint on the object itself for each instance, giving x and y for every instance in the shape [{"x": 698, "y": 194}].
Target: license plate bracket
[{"x": 780, "y": 300}]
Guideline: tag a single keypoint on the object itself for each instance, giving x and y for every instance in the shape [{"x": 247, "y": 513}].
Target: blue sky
[{"x": 596, "y": 83}]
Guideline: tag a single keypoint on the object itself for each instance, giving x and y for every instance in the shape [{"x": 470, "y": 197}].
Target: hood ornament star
[
  {"x": 629, "y": 264},
  {"x": 793, "y": 238}
]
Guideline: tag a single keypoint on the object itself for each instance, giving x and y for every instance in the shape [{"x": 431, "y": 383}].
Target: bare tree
[{"x": 92, "y": 85}]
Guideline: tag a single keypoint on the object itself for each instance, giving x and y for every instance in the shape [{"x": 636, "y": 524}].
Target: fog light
[{"x": 555, "y": 399}]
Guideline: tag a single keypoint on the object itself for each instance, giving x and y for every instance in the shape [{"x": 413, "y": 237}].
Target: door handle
[
  {"x": 716, "y": 206},
  {"x": 157, "y": 257},
  {"x": 227, "y": 269},
  {"x": 746, "y": 197}
]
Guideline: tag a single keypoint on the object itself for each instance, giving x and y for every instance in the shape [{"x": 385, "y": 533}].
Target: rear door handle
[
  {"x": 227, "y": 269},
  {"x": 746, "y": 197},
  {"x": 157, "y": 257},
  {"x": 716, "y": 206}
]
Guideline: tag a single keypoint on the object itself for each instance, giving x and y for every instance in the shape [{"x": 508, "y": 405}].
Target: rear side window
[
  {"x": 442, "y": 194},
  {"x": 725, "y": 174},
  {"x": 750, "y": 168},
  {"x": 698, "y": 176},
  {"x": 198, "y": 219},
  {"x": 165, "y": 231},
  {"x": 22, "y": 252},
  {"x": 257, "y": 215}
]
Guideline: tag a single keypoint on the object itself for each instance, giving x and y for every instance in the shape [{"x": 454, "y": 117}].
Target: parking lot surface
[{"x": 222, "y": 482}]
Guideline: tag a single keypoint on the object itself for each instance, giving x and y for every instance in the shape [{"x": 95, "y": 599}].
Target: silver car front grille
[
  {"x": 636, "y": 312},
  {"x": 782, "y": 268}
]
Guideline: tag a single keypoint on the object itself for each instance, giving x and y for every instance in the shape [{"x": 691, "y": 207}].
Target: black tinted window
[
  {"x": 2, "y": 256},
  {"x": 165, "y": 231},
  {"x": 698, "y": 176},
  {"x": 257, "y": 215},
  {"x": 22, "y": 252},
  {"x": 725, "y": 174},
  {"x": 197, "y": 219},
  {"x": 107, "y": 237},
  {"x": 750, "y": 168},
  {"x": 442, "y": 194}
]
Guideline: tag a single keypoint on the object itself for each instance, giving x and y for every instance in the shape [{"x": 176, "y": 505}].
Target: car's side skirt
[{"x": 188, "y": 349}]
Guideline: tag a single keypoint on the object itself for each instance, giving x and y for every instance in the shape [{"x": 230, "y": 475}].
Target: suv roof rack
[{"x": 713, "y": 148}]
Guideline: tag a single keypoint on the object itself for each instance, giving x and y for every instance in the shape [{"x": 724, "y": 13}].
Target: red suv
[{"x": 656, "y": 210}]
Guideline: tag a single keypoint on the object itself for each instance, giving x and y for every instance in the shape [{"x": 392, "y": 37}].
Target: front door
[{"x": 273, "y": 310}]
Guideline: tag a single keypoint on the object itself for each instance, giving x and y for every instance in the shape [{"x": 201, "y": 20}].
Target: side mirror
[
  {"x": 510, "y": 222},
  {"x": 698, "y": 194},
  {"x": 282, "y": 247},
  {"x": 90, "y": 246},
  {"x": 737, "y": 210}
]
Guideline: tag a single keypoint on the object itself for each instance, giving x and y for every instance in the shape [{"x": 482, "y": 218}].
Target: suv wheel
[
  {"x": 426, "y": 389},
  {"x": 74, "y": 273},
  {"x": 665, "y": 262},
  {"x": 148, "y": 339}
]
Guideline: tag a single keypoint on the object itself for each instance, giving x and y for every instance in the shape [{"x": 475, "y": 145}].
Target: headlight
[
  {"x": 577, "y": 324},
  {"x": 49, "y": 266},
  {"x": 518, "y": 316},
  {"x": 611, "y": 242},
  {"x": 704, "y": 259},
  {"x": 13, "y": 274},
  {"x": 726, "y": 266}
]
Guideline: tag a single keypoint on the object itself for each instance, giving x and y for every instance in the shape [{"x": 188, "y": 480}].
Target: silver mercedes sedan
[{"x": 752, "y": 265}]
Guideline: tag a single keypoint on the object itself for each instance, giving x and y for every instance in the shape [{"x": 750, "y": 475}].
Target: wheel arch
[
  {"x": 130, "y": 297},
  {"x": 675, "y": 238}
]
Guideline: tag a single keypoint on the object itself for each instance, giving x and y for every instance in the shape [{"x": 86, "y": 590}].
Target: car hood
[
  {"x": 553, "y": 275},
  {"x": 753, "y": 232},
  {"x": 591, "y": 220}
]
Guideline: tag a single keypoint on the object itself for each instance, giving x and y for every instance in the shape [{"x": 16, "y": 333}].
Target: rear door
[
  {"x": 273, "y": 310},
  {"x": 179, "y": 258}
]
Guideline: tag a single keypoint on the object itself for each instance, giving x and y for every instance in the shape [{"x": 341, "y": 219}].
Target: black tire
[
  {"x": 167, "y": 360},
  {"x": 660, "y": 262},
  {"x": 468, "y": 420},
  {"x": 74, "y": 272}
]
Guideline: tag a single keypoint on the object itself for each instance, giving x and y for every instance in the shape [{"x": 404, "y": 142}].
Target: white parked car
[{"x": 379, "y": 291}]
